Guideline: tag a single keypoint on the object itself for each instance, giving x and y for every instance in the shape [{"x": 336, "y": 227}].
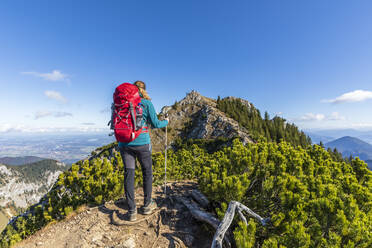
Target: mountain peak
[
  {"x": 350, "y": 139},
  {"x": 353, "y": 146},
  {"x": 193, "y": 93},
  {"x": 197, "y": 117},
  {"x": 195, "y": 97}
]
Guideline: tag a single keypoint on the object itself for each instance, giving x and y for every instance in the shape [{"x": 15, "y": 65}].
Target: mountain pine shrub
[{"x": 313, "y": 198}]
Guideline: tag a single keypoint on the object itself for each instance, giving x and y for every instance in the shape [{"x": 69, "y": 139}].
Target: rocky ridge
[{"x": 194, "y": 117}]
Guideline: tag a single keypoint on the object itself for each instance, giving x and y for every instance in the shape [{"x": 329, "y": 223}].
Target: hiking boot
[
  {"x": 149, "y": 208},
  {"x": 132, "y": 216}
]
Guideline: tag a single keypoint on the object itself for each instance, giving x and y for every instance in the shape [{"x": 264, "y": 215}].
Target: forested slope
[{"x": 275, "y": 129}]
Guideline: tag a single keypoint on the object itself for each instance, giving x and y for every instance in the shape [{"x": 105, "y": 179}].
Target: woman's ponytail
[{"x": 142, "y": 89}]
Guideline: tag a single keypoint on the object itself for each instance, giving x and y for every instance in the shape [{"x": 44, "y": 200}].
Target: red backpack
[{"x": 126, "y": 113}]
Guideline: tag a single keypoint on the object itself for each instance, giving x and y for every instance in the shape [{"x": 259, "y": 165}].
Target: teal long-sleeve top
[{"x": 150, "y": 118}]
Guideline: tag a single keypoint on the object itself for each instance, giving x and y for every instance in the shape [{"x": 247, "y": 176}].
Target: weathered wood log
[
  {"x": 198, "y": 213},
  {"x": 200, "y": 198},
  {"x": 204, "y": 216},
  {"x": 222, "y": 228},
  {"x": 228, "y": 218},
  {"x": 224, "y": 225}
]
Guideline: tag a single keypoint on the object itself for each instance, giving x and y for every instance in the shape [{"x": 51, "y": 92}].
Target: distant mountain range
[
  {"x": 317, "y": 138},
  {"x": 369, "y": 162},
  {"x": 331, "y": 134},
  {"x": 20, "y": 160},
  {"x": 353, "y": 146}
]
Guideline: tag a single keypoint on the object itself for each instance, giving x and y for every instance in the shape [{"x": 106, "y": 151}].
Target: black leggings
[{"x": 129, "y": 155}]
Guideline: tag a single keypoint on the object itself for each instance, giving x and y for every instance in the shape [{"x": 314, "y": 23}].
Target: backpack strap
[{"x": 131, "y": 109}]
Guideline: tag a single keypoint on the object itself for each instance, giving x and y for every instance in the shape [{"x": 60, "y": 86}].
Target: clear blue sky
[{"x": 309, "y": 61}]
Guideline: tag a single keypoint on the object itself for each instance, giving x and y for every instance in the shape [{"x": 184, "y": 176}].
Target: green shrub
[{"x": 312, "y": 198}]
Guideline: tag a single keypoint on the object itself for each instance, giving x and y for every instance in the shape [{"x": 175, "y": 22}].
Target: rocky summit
[{"x": 197, "y": 117}]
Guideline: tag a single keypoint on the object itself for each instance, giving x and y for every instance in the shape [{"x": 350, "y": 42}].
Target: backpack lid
[{"x": 127, "y": 92}]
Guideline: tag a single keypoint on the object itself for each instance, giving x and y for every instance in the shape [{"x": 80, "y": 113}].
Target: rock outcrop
[
  {"x": 20, "y": 188},
  {"x": 194, "y": 117},
  {"x": 197, "y": 117}
]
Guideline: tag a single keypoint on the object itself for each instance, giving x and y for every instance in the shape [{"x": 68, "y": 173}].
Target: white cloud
[
  {"x": 9, "y": 128},
  {"x": 55, "y": 95},
  {"x": 88, "y": 124},
  {"x": 41, "y": 114},
  {"x": 57, "y": 114},
  {"x": 61, "y": 114},
  {"x": 5, "y": 128},
  {"x": 312, "y": 117},
  {"x": 335, "y": 116},
  {"x": 55, "y": 75},
  {"x": 362, "y": 125},
  {"x": 353, "y": 96}
]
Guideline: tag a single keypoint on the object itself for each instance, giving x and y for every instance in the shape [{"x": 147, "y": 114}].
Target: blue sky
[{"x": 308, "y": 61}]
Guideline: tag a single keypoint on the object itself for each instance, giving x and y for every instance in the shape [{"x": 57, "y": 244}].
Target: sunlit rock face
[
  {"x": 23, "y": 189},
  {"x": 197, "y": 117}
]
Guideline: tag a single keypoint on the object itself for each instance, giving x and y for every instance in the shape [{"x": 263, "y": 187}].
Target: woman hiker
[{"x": 140, "y": 148}]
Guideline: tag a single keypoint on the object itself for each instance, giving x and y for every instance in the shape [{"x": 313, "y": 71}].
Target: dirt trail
[{"x": 171, "y": 225}]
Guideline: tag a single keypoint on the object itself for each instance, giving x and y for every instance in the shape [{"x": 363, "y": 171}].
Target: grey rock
[
  {"x": 129, "y": 243},
  {"x": 96, "y": 237}
]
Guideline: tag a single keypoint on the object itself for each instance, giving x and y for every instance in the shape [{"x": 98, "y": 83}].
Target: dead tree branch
[
  {"x": 228, "y": 218},
  {"x": 203, "y": 216},
  {"x": 200, "y": 198}
]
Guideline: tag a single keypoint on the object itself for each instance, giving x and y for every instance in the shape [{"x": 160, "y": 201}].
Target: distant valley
[
  {"x": 30, "y": 164},
  {"x": 67, "y": 148}
]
